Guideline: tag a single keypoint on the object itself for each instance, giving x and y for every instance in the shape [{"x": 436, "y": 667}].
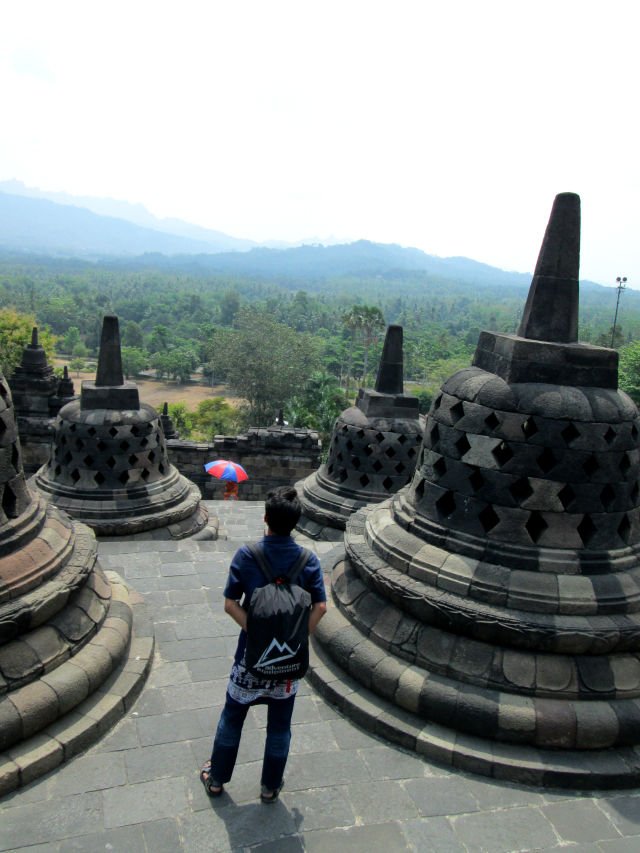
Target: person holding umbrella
[{"x": 231, "y": 473}]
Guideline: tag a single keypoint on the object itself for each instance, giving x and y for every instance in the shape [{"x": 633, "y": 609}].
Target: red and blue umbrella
[{"x": 222, "y": 469}]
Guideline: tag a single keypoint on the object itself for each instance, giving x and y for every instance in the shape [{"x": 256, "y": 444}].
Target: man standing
[{"x": 282, "y": 512}]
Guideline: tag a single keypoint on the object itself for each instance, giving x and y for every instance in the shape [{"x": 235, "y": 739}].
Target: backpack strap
[
  {"x": 257, "y": 551},
  {"x": 260, "y": 557},
  {"x": 298, "y": 566}
]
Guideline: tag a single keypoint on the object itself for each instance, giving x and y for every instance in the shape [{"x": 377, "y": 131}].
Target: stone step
[
  {"x": 43, "y": 649},
  {"x": 88, "y": 695},
  {"x": 586, "y": 769},
  {"x": 34, "y": 608}
]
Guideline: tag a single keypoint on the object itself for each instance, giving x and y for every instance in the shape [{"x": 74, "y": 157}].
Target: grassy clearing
[{"x": 156, "y": 393}]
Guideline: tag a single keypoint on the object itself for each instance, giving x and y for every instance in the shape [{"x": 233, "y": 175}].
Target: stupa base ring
[
  {"x": 584, "y": 769},
  {"x": 616, "y": 767}
]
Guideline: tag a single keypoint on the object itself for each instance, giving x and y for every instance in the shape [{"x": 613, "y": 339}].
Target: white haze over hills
[{"x": 139, "y": 215}]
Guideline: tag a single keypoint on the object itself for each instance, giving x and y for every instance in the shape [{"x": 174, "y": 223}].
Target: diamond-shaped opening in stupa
[
  {"x": 536, "y": 526},
  {"x": 521, "y": 490},
  {"x": 570, "y": 433},
  {"x": 446, "y": 504},
  {"x": 456, "y": 412},
  {"x": 476, "y": 480},
  {"x": 608, "y": 496},
  {"x": 566, "y": 496},
  {"x": 440, "y": 467},
  {"x": 547, "y": 460},
  {"x": 502, "y": 453},
  {"x": 624, "y": 529},
  {"x": 488, "y": 518},
  {"x": 9, "y": 502},
  {"x": 591, "y": 465},
  {"x": 587, "y": 530}
]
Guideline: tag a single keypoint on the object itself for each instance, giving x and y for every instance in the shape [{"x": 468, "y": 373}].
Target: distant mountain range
[
  {"x": 137, "y": 214},
  {"x": 67, "y": 226},
  {"x": 119, "y": 233}
]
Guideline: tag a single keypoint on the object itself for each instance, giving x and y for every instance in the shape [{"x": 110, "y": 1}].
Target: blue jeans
[{"x": 276, "y": 748}]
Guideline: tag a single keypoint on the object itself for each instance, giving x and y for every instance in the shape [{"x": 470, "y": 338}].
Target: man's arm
[
  {"x": 317, "y": 612},
  {"x": 237, "y": 613}
]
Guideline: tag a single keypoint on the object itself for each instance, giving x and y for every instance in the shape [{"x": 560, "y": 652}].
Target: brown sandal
[
  {"x": 268, "y": 796},
  {"x": 213, "y": 788}
]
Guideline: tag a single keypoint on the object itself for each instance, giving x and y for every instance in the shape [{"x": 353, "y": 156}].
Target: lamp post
[{"x": 622, "y": 283}]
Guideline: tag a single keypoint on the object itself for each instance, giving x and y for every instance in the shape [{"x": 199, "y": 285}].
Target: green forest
[{"x": 300, "y": 343}]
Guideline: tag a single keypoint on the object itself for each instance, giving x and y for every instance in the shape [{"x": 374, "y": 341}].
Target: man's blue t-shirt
[{"x": 245, "y": 575}]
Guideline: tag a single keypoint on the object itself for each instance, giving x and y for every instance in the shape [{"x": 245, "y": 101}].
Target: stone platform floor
[{"x": 138, "y": 789}]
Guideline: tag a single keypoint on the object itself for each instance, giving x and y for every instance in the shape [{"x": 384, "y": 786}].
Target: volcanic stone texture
[
  {"x": 37, "y": 397},
  {"x": 109, "y": 469},
  {"x": 499, "y": 594},
  {"x": 535, "y": 466},
  {"x": 506, "y": 576},
  {"x": 369, "y": 459},
  {"x": 64, "y": 628},
  {"x": 372, "y": 453}
]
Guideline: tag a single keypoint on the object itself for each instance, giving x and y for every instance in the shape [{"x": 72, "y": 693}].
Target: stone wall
[{"x": 275, "y": 456}]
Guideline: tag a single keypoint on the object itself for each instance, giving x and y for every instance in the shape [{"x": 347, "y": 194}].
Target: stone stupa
[
  {"x": 492, "y": 608},
  {"x": 38, "y": 396},
  {"x": 109, "y": 466},
  {"x": 65, "y": 628},
  {"x": 372, "y": 454}
]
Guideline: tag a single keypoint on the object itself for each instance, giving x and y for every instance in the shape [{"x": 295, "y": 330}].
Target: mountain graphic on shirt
[{"x": 275, "y": 653}]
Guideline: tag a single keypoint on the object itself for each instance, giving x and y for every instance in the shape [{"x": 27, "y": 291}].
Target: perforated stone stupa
[
  {"x": 109, "y": 466},
  {"x": 373, "y": 450},
  {"x": 65, "y": 628},
  {"x": 494, "y": 605},
  {"x": 37, "y": 398}
]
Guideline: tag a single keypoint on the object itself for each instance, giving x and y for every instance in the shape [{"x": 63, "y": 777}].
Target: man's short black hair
[{"x": 282, "y": 510}]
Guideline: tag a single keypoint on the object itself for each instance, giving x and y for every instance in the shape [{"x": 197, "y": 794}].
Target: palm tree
[
  {"x": 352, "y": 320},
  {"x": 371, "y": 324}
]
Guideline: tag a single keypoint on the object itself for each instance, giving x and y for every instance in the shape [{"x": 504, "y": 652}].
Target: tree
[
  {"x": 160, "y": 339},
  {"x": 132, "y": 335},
  {"x": 630, "y": 370},
  {"x": 352, "y": 321},
  {"x": 180, "y": 363},
  {"x": 318, "y": 404},
  {"x": 182, "y": 418},
  {"x": 371, "y": 324},
  {"x": 134, "y": 361},
  {"x": 267, "y": 363},
  {"x": 71, "y": 339},
  {"x": 79, "y": 350},
  {"x": 15, "y": 334},
  {"x": 229, "y": 307},
  {"x": 77, "y": 364},
  {"x": 604, "y": 339},
  {"x": 215, "y": 416},
  {"x": 366, "y": 322}
]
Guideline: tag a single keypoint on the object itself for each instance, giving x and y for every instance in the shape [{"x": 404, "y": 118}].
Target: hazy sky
[{"x": 449, "y": 126}]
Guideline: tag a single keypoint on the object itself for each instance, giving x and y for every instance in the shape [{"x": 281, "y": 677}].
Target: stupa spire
[
  {"x": 110, "y": 391},
  {"x": 109, "y": 372},
  {"x": 390, "y": 379},
  {"x": 34, "y": 337},
  {"x": 551, "y": 311}
]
